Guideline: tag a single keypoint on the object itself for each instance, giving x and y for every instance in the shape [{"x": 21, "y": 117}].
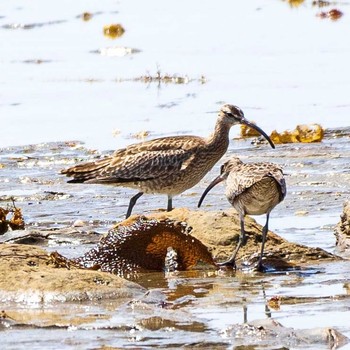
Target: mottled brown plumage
[
  {"x": 253, "y": 189},
  {"x": 168, "y": 165}
]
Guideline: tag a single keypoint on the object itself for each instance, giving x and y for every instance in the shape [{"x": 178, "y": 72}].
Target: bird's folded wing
[
  {"x": 173, "y": 143},
  {"x": 251, "y": 173},
  {"x": 142, "y": 166}
]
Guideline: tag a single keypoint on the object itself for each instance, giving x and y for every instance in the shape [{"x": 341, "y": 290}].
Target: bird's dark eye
[{"x": 229, "y": 114}]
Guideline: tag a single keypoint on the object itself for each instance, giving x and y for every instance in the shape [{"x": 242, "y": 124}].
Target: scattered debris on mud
[{"x": 159, "y": 77}]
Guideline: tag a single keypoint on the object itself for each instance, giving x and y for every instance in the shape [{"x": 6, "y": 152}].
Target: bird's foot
[
  {"x": 231, "y": 264},
  {"x": 249, "y": 266},
  {"x": 260, "y": 267}
]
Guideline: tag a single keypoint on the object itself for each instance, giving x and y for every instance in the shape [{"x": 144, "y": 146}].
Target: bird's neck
[{"x": 220, "y": 138}]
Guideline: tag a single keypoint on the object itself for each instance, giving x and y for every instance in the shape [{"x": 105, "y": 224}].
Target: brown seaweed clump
[
  {"x": 302, "y": 133},
  {"x": 146, "y": 245},
  {"x": 295, "y": 3},
  {"x": 247, "y": 131},
  {"x": 113, "y": 31},
  {"x": 15, "y": 223},
  {"x": 333, "y": 14},
  {"x": 86, "y": 16}
]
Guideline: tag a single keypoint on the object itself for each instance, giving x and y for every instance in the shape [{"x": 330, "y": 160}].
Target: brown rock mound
[
  {"x": 219, "y": 231},
  {"x": 30, "y": 274},
  {"x": 27, "y": 274}
]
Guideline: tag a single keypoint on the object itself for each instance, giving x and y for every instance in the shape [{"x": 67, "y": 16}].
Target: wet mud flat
[{"x": 198, "y": 308}]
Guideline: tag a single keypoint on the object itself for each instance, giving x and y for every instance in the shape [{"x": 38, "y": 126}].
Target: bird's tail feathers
[{"x": 86, "y": 171}]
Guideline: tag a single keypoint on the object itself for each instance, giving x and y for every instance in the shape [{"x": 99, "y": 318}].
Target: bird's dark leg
[
  {"x": 242, "y": 241},
  {"x": 132, "y": 202},
  {"x": 267, "y": 308},
  {"x": 265, "y": 229},
  {"x": 245, "y": 311},
  {"x": 170, "y": 203}
]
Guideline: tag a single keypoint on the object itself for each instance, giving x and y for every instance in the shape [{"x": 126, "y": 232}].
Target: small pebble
[{"x": 78, "y": 223}]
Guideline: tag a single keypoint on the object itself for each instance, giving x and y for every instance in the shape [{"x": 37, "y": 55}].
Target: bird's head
[
  {"x": 225, "y": 169},
  {"x": 231, "y": 164},
  {"x": 233, "y": 115}
]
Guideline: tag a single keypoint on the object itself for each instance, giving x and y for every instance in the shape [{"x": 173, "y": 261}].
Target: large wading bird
[{"x": 167, "y": 165}]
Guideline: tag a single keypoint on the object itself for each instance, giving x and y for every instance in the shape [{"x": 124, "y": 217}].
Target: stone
[{"x": 28, "y": 275}]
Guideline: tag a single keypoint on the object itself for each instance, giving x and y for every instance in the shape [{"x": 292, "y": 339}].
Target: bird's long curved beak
[
  {"x": 259, "y": 130},
  {"x": 219, "y": 179}
]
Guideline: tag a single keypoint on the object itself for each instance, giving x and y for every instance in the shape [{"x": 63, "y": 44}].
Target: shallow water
[
  {"x": 283, "y": 65},
  {"x": 199, "y": 308}
]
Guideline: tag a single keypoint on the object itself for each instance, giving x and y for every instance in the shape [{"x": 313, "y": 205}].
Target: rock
[
  {"x": 219, "y": 231},
  {"x": 28, "y": 275},
  {"x": 53, "y": 236},
  {"x": 180, "y": 238},
  {"x": 270, "y": 333},
  {"x": 139, "y": 244},
  {"x": 78, "y": 223},
  {"x": 185, "y": 239},
  {"x": 342, "y": 231}
]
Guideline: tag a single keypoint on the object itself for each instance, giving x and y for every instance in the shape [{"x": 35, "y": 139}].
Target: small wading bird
[
  {"x": 168, "y": 165},
  {"x": 253, "y": 189}
]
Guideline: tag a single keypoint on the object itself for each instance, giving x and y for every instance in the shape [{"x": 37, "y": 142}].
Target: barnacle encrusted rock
[{"x": 140, "y": 244}]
